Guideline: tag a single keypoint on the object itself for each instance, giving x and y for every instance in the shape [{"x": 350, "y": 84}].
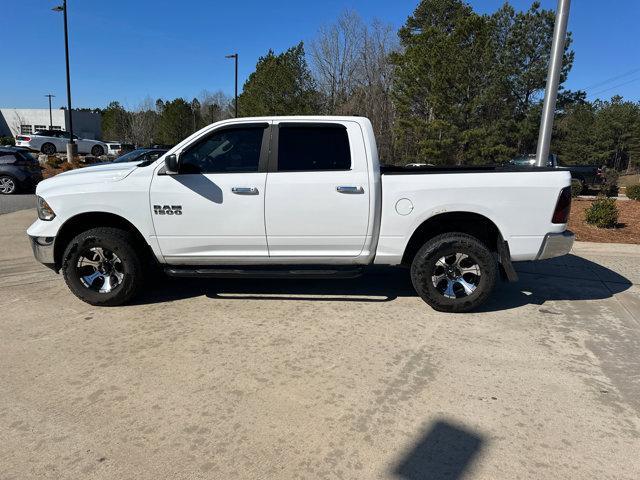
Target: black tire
[
  {"x": 97, "y": 150},
  {"x": 8, "y": 185},
  {"x": 48, "y": 148},
  {"x": 122, "y": 246},
  {"x": 438, "y": 282}
]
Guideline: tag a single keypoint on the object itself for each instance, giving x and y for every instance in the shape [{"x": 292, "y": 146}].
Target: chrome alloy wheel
[
  {"x": 7, "y": 185},
  {"x": 456, "y": 275},
  {"x": 100, "y": 269}
]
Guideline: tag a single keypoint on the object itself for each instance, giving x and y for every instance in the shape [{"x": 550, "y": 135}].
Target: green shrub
[
  {"x": 633, "y": 192},
  {"x": 576, "y": 187},
  {"x": 7, "y": 141},
  {"x": 603, "y": 213}
]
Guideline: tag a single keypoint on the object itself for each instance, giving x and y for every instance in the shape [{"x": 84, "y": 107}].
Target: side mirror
[{"x": 171, "y": 163}]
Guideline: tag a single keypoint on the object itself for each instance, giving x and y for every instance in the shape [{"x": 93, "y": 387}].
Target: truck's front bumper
[
  {"x": 43, "y": 250},
  {"x": 556, "y": 245}
]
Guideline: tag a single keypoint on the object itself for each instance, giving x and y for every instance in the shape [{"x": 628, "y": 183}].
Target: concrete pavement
[{"x": 322, "y": 379}]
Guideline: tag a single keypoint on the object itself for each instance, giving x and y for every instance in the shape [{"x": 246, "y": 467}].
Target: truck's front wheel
[
  {"x": 101, "y": 266},
  {"x": 454, "y": 272}
]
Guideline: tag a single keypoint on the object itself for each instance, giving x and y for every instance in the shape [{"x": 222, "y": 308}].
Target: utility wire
[
  {"x": 616, "y": 86},
  {"x": 612, "y": 79}
]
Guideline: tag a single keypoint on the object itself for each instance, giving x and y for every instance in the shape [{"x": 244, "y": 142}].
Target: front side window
[
  {"x": 304, "y": 148},
  {"x": 232, "y": 150}
]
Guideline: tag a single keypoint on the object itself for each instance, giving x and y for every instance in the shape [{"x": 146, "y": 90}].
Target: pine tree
[{"x": 281, "y": 85}]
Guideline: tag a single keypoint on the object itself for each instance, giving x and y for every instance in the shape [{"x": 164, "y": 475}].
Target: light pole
[
  {"x": 71, "y": 146},
  {"x": 50, "y": 115},
  {"x": 235, "y": 57},
  {"x": 553, "y": 81}
]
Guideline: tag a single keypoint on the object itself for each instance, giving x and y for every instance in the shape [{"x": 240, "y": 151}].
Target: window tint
[
  {"x": 225, "y": 151},
  {"x": 313, "y": 148}
]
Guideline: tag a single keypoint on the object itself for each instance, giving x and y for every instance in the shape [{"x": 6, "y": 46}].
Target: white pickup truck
[{"x": 296, "y": 196}]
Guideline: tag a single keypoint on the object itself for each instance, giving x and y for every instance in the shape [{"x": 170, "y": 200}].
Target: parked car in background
[
  {"x": 141, "y": 155},
  {"x": 115, "y": 149},
  {"x": 19, "y": 171},
  {"x": 50, "y": 142},
  {"x": 587, "y": 175}
]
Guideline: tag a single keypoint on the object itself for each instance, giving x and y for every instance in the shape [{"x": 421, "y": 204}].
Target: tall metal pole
[
  {"x": 71, "y": 150},
  {"x": 235, "y": 57},
  {"x": 553, "y": 81},
  {"x": 71, "y": 146},
  {"x": 50, "y": 115}
]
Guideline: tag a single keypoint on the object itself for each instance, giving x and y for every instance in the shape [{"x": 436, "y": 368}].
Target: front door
[
  {"x": 317, "y": 203},
  {"x": 212, "y": 210}
]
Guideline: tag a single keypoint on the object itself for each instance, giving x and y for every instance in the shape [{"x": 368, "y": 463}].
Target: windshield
[{"x": 130, "y": 157}]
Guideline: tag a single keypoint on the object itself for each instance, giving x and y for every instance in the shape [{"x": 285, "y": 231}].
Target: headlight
[{"x": 45, "y": 212}]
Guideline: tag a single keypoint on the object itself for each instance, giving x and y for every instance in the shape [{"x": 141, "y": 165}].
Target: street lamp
[
  {"x": 71, "y": 146},
  {"x": 235, "y": 57},
  {"x": 50, "y": 116}
]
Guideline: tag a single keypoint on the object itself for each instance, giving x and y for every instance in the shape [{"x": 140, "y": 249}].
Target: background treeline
[{"x": 450, "y": 87}]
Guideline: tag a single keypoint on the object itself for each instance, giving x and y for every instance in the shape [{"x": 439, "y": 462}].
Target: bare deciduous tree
[
  {"x": 336, "y": 57},
  {"x": 214, "y": 106},
  {"x": 16, "y": 124},
  {"x": 351, "y": 64},
  {"x": 142, "y": 124}
]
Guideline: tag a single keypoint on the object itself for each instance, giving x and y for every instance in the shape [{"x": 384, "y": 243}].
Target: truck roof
[{"x": 337, "y": 118}]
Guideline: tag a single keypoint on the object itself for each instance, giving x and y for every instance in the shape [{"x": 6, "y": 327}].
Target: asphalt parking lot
[
  {"x": 322, "y": 379},
  {"x": 13, "y": 203}
]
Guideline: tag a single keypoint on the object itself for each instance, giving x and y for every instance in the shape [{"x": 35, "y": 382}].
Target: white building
[{"x": 20, "y": 121}]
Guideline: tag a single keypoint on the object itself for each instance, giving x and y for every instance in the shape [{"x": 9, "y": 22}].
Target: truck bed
[{"x": 520, "y": 203}]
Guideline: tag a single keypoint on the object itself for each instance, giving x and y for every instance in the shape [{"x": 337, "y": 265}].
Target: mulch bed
[{"x": 628, "y": 230}]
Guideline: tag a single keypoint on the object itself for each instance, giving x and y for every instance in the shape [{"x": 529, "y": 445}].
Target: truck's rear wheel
[
  {"x": 454, "y": 272},
  {"x": 101, "y": 266}
]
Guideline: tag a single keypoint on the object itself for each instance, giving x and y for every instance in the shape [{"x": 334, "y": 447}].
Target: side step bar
[{"x": 313, "y": 273}]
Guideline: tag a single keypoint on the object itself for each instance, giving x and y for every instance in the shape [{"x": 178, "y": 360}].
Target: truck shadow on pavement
[
  {"x": 572, "y": 278},
  {"x": 444, "y": 452}
]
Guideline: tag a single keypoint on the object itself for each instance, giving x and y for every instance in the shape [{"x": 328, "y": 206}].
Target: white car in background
[
  {"x": 113, "y": 148},
  {"x": 50, "y": 142}
]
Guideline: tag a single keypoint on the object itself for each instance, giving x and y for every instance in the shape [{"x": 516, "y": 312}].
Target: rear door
[
  {"x": 212, "y": 211},
  {"x": 317, "y": 201}
]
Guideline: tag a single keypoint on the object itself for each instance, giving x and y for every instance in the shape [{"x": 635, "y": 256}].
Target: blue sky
[{"x": 125, "y": 50}]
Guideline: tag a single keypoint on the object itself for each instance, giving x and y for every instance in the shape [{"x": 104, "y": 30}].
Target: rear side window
[{"x": 307, "y": 148}]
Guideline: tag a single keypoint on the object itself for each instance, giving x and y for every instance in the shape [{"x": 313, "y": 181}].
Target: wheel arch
[
  {"x": 87, "y": 220},
  {"x": 471, "y": 223}
]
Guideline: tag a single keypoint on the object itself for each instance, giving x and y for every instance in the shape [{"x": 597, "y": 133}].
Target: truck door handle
[
  {"x": 352, "y": 190},
  {"x": 245, "y": 190}
]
